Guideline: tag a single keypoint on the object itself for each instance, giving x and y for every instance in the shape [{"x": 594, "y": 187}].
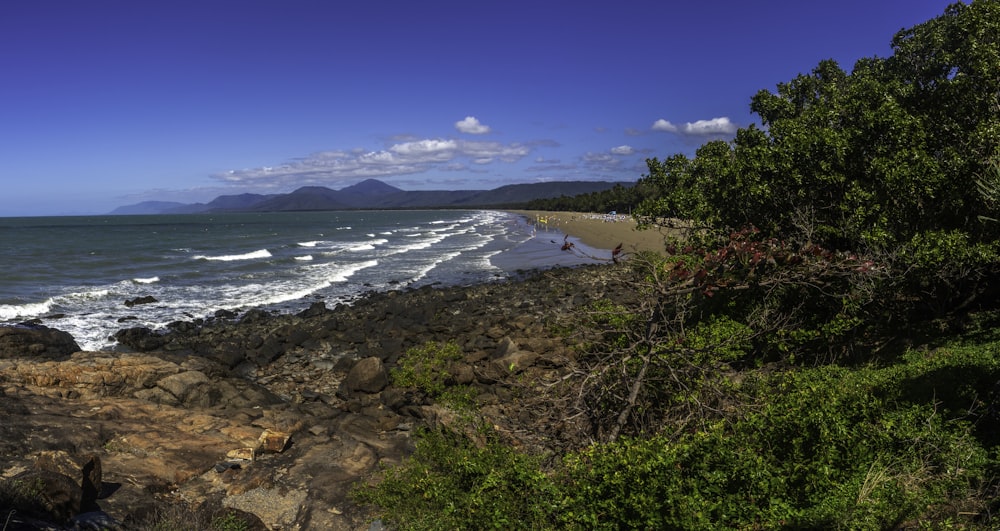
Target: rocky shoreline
[{"x": 277, "y": 416}]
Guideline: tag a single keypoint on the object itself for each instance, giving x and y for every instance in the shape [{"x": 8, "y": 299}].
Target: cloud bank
[{"x": 402, "y": 158}]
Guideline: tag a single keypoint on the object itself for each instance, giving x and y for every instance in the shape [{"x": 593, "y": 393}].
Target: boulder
[
  {"x": 141, "y": 339},
  {"x": 24, "y": 341},
  {"x": 366, "y": 376}
]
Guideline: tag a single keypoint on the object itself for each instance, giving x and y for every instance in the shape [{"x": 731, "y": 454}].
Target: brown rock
[
  {"x": 274, "y": 441},
  {"x": 505, "y": 347},
  {"x": 247, "y": 454},
  {"x": 516, "y": 361},
  {"x": 183, "y": 384},
  {"x": 367, "y": 376},
  {"x": 463, "y": 374}
]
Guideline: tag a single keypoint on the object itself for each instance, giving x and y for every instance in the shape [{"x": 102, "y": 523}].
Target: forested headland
[{"x": 817, "y": 348}]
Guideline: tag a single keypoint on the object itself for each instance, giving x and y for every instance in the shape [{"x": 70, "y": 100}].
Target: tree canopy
[{"x": 874, "y": 157}]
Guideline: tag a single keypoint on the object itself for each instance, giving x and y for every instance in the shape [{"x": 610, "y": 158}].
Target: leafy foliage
[
  {"x": 450, "y": 483},
  {"x": 619, "y": 198},
  {"x": 427, "y": 368}
]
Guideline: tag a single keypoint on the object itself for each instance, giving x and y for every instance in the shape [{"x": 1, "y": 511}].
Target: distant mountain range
[{"x": 373, "y": 194}]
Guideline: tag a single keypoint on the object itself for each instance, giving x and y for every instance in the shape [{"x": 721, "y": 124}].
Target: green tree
[{"x": 873, "y": 157}]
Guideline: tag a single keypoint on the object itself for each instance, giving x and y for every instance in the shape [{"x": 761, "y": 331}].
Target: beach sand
[{"x": 599, "y": 231}]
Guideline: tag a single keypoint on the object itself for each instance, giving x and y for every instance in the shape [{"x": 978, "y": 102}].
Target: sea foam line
[
  {"x": 425, "y": 270},
  {"x": 261, "y": 253}
]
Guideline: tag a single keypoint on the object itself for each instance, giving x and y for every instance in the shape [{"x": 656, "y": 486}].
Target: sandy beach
[{"x": 599, "y": 231}]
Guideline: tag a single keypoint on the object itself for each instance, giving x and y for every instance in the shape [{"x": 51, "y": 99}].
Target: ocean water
[{"x": 75, "y": 273}]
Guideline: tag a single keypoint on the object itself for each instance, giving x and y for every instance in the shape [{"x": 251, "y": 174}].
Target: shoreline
[
  {"x": 592, "y": 238},
  {"x": 598, "y": 231}
]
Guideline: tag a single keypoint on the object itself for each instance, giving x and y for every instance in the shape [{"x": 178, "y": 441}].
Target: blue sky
[{"x": 111, "y": 102}]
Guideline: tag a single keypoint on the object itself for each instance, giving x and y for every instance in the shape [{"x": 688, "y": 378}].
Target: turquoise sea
[{"x": 75, "y": 273}]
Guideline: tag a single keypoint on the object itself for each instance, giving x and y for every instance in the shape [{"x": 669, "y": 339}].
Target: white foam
[
  {"x": 88, "y": 295},
  {"x": 487, "y": 260},
  {"x": 325, "y": 275},
  {"x": 24, "y": 311},
  {"x": 261, "y": 253},
  {"x": 310, "y": 244},
  {"x": 149, "y": 280},
  {"x": 305, "y": 258},
  {"x": 443, "y": 229}
]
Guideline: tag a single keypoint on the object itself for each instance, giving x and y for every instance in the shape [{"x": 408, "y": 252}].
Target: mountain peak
[{"x": 370, "y": 187}]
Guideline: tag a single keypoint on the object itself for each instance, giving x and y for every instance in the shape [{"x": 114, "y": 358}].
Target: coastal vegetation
[{"x": 816, "y": 349}]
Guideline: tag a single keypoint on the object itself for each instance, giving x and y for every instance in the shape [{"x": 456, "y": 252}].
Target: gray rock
[
  {"x": 35, "y": 341},
  {"x": 141, "y": 339}
]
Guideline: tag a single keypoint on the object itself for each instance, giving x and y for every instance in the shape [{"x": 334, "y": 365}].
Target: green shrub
[
  {"x": 451, "y": 483},
  {"x": 426, "y": 368}
]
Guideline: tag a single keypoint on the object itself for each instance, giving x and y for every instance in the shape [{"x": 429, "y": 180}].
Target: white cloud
[
  {"x": 471, "y": 125},
  {"x": 622, "y": 150},
  {"x": 426, "y": 150},
  {"x": 663, "y": 125},
  {"x": 713, "y": 127}
]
